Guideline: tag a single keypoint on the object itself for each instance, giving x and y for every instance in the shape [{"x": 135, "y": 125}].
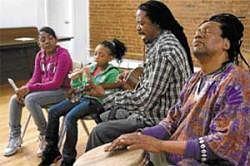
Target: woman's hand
[
  {"x": 20, "y": 100},
  {"x": 135, "y": 141},
  {"x": 22, "y": 91}
]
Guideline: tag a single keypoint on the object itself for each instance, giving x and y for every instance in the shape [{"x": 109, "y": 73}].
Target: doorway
[{"x": 69, "y": 18}]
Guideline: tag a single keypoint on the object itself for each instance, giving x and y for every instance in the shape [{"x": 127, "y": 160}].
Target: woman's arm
[{"x": 36, "y": 76}]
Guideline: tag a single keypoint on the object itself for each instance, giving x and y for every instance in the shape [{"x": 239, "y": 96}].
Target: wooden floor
[{"x": 27, "y": 155}]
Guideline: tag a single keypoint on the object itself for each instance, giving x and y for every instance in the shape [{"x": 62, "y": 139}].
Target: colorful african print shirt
[{"x": 214, "y": 108}]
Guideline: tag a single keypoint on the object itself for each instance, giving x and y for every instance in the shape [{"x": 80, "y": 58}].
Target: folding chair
[
  {"x": 62, "y": 131},
  {"x": 26, "y": 126},
  {"x": 28, "y": 121}
]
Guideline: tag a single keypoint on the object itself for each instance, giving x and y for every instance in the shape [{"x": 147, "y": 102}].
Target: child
[{"x": 99, "y": 73}]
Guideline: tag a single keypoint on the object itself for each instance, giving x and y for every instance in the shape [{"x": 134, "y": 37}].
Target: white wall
[
  {"x": 81, "y": 45},
  {"x": 71, "y": 18},
  {"x": 59, "y": 16},
  {"x": 19, "y": 13}
]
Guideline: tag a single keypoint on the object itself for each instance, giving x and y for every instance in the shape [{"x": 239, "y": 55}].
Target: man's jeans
[{"x": 109, "y": 130}]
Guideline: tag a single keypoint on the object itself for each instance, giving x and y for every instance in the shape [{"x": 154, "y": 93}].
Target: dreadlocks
[
  {"x": 232, "y": 29},
  {"x": 161, "y": 15}
]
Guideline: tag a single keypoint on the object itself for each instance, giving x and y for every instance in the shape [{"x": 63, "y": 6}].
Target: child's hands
[
  {"x": 89, "y": 77},
  {"x": 75, "y": 74},
  {"x": 69, "y": 93}
]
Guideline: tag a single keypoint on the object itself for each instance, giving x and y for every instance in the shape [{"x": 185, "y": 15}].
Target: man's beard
[
  {"x": 145, "y": 41},
  {"x": 200, "y": 54}
]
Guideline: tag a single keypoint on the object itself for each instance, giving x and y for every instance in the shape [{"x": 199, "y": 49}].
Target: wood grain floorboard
[{"x": 27, "y": 155}]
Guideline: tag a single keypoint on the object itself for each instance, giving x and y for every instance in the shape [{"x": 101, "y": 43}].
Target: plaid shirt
[{"x": 166, "y": 69}]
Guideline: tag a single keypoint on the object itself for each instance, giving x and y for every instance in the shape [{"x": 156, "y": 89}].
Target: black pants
[{"x": 108, "y": 131}]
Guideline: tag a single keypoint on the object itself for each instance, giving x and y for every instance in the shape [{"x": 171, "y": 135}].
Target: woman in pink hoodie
[{"x": 47, "y": 86}]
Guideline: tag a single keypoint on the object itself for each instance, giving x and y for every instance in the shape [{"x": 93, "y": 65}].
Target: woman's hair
[
  {"x": 116, "y": 47},
  {"x": 160, "y": 14},
  {"x": 48, "y": 30},
  {"x": 232, "y": 29}
]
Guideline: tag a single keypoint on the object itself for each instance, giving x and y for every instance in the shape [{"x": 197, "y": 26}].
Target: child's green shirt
[{"x": 109, "y": 75}]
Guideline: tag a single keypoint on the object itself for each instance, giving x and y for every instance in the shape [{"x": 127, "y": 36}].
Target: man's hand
[
  {"x": 135, "y": 141},
  {"x": 124, "y": 82},
  {"x": 94, "y": 90},
  {"x": 123, "y": 75},
  {"x": 125, "y": 85}
]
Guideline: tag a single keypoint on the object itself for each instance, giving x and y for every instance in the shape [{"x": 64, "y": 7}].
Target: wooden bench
[{"x": 18, "y": 47}]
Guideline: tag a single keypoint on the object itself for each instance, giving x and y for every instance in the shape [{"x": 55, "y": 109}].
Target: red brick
[{"x": 116, "y": 19}]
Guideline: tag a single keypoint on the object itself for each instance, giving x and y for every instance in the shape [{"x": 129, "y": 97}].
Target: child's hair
[
  {"x": 116, "y": 47},
  {"x": 48, "y": 30}
]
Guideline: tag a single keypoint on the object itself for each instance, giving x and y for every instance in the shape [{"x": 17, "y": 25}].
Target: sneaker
[
  {"x": 42, "y": 145},
  {"x": 50, "y": 156},
  {"x": 13, "y": 146}
]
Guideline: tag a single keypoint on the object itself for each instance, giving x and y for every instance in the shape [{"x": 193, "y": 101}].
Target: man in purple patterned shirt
[{"x": 209, "y": 125}]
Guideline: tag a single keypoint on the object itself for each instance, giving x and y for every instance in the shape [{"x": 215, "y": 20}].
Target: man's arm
[
  {"x": 138, "y": 141},
  {"x": 111, "y": 85}
]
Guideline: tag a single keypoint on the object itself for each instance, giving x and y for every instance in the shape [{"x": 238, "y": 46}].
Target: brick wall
[{"x": 116, "y": 19}]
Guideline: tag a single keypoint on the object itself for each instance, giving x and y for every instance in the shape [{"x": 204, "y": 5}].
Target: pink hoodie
[{"x": 50, "y": 72}]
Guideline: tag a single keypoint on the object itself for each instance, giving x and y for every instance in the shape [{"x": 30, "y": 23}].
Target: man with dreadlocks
[
  {"x": 167, "y": 67},
  {"x": 210, "y": 123}
]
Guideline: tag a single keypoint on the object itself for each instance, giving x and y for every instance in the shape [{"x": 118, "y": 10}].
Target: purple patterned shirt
[{"x": 216, "y": 108}]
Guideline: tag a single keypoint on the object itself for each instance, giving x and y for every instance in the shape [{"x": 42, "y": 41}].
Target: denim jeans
[
  {"x": 109, "y": 130},
  {"x": 72, "y": 112},
  {"x": 34, "y": 102}
]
